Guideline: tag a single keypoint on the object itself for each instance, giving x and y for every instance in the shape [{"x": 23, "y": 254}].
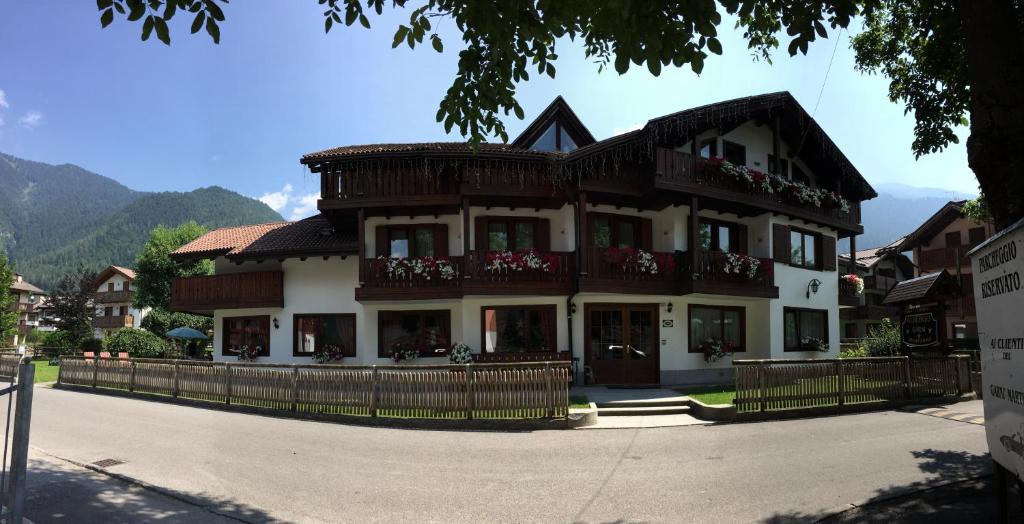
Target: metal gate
[{"x": 17, "y": 377}]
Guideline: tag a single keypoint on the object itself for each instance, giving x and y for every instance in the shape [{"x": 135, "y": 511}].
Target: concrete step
[
  {"x": 642, "y": 411},
  {"x": 645, "y": 403}
]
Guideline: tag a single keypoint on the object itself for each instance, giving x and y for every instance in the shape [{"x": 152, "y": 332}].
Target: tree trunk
[{"x": 995, "y": 71}]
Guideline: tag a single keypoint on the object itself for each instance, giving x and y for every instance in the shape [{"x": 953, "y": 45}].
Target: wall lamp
[
  {"x": 572, "y": 308},
  {"x": 276, "y": 325},
  {"x": 669, "y": 307},
  {"x": 812, "y": 286}
]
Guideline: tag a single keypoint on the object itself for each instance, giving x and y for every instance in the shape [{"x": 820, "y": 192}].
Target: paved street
[{"x": 262, "y": 468}]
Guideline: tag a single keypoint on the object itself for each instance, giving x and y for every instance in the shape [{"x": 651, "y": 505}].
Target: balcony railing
[
  {"x": 619, "y": 271},
  {"x": 489, "y": 274},
  {"x": 944, "y": 257},
  {"x": 717, "y": 274},
  {"x": 869, "y": 313},
  {"x": 229, "y": 291},
  {"x": 406, "y": 283},
  {"x": 848, "y": 295},
  {"x": 109, "y": 297},
  {"x": 684, "y": 172},
  {"x": 114, "y": 321},
  {"x": 879, "y": 283},
  {"x": 23, "y": 307}
]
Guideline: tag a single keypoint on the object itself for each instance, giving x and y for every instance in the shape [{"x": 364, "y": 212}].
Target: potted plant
[
  {"x": 328, "y": 353},
  {"x": 716, "y": 349},
  {"x": 814, "y": 344},
  {"x": 460, "y": 354}
]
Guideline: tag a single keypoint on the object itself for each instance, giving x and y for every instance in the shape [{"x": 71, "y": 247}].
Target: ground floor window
[
  {"x": 252, "y": 333},
  {"x": 725, "y": 323},
  {"x": 805, "y": 329},
  {"x": 334, "y": 333},
  {"x": 518, "y": 329},
  {"x": 426, "y": 332}
]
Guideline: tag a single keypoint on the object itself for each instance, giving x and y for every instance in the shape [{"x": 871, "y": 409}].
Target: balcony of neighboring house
[
  {"x": 114, "y": 321},
  {"x": 683, "y": 172},
  {"x": 23, "y": 307},
  {"x": 204, "y": 294},
  {"x": 879, "y": 283},
  {"x": 114, "y": 297},
  {"x": 931, "y": 260},
  {"x": 848, "y": 295},
  {"x": 869, "y": 312}
]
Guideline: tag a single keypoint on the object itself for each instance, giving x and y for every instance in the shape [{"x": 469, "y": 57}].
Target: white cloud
[
  {"x": 31, "y": 119},
  {"x": 620, "y": 130},
  {"x": 3, "y": 99},
  {"x": 305, "y": 207},
  {"x": 279, "y": 199}
]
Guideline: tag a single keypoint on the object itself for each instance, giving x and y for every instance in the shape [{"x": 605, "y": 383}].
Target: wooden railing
[
  {"x": 228, "y": 291},
  {"x": 602, "y": 264},
  {"x": 711, "y": 267},
  {"x": 454, "y": 391},
  {"x": 375, "y": 275},
  {"x": 114, "y": 321},
  {"x": 386, "y": 184},
  {"x": 879, "y": 283},
  {"x": 685, "y": 172},
  {"x": 778, "y": 385},
  {"x": 23, "y": 307},
  {"x": 944, "y": 257},
  {"x": 562, "y": 270},
  {"x": 534, "y": 356},
  {"x": 107, "y": 297},
  {"x": 848, "y": 295},
  {"x": 869, "y": 312}
]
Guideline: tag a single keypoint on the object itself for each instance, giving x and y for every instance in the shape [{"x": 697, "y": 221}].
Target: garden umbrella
[{"x": 186, "y": 333}]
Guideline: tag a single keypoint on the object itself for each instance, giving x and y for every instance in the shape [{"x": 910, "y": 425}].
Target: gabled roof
[
  {"x": 26, "y": 287},
  {"x": 926, "y": 286},
  {"x": 557, "y": 111},
  {"x": 313, "y": 236},
  {"x": 111, "y": 271},
  {"x": 867, "y": 258},
  {"x": 945, "y": 216}
]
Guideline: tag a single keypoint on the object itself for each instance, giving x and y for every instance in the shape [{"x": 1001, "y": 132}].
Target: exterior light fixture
[
  {"x": 276, "y": 325},
  {"x": 812, "y": 286},
  {"x": 572, "y": 308},
  {"x": 669, "y": 307}
]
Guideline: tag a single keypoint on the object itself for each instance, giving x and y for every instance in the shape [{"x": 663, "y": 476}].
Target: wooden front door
[{"x": 622, "y": 343}]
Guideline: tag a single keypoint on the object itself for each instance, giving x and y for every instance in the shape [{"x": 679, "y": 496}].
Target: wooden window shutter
[
  {"x": 382, "y": 247},
  {"x": 480, "y": 233},
  {"x": 828, "y": 253},
  {"x": 441, "y": 240},
  {"x": 780, "y": 243},
  {"x": 542, "y": 232},
  {"x": 741, "y": 239},
  {"x": 646, "y": 234}
]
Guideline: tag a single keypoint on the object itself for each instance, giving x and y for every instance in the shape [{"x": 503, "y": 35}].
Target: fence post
[
  {"x": 295, "y": 388},
  {"x": 131, "y": 376},
  {"x": 19, "y": 445},
  {"x": 549, "y": 397},
  {"x": 60, "y": 370},
  {"x": 227, "y": 384},
  {"x": 175, "y": 392},
  {"x": 374, "y": 378},
  {"x": 907, "y": 382},
  {"x": 95, "y": 370},
  {"x": 469, "y": 391},
  {"x": 762, "y": 379},
  {"x": 956, "y": 365},
  {"x": 841, "y": 378}
]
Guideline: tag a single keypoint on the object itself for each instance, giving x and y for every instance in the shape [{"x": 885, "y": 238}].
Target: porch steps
[{"x": 623, "y": 408}]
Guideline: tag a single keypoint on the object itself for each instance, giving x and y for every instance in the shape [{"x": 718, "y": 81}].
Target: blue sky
[{"x": 240, "y": 114}]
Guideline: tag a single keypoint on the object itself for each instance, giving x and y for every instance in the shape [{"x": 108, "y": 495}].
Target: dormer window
[{"x": 555, "y": 138}]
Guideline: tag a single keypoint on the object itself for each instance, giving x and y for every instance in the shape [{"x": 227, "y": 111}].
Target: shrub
[
  {"x": 884, "y": 340},
  {"x": 460, "y": 354},
  {"x": 91, "y": 344},
  {"x": 160, "y": 321},
  {"x": 138, "y": 343},
  {"x": 858, "y": 352},
  {"x": 59, "y": 339}
]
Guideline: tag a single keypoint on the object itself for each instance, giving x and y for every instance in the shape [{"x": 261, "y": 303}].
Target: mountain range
[{"x": 53, "y": 217}]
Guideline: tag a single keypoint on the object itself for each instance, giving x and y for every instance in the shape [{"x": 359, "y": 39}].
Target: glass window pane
[
  {"x": 567, "y": 142},
  {"x": 627, "y": 234},
  {"x": 810, "y": 257},
  {"x": 546, "y": 142},
  {"x": 792, "y": 336},
  {"x": 339, "y": 332},
  {"x": 497, "y": 236},
  {"x": 812, "y": 325},
  {"x": 606, "y": 335},
  {"x": 796, "y": 248},
  {"x": 425, "y": 242},
  {"x": 426, "y": 332},
  {"x": 732, "y": 330},
  {"x": 705, "y": 323},
  {"x": 723, "y": 239},
  {"x": 709, "y": 149},
  {"x": 524, "y": 235},
  {"x": 602, "y": 234},
  {"x": 399, "y": 243},
  {"x": 306, "y": 332},
  {"x": 735, "y": 153},
  {"x": 705, "y": 237}
]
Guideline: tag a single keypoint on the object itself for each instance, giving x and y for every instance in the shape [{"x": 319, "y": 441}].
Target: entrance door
[{"x": 622, "y": 343}]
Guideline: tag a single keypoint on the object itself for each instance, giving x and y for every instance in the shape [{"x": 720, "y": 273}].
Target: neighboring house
[
  {"x": 942, "y": 243},
  {"x": 881, "y": 271},
  {"x": 27, "y": 297},
  {"x": 47, "y": 319},
  {"x": 113, "y": 302},
  {"x": 625, "y": 255}
]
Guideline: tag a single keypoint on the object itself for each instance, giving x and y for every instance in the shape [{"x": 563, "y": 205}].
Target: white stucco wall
[{"x": 125, "y": 308}]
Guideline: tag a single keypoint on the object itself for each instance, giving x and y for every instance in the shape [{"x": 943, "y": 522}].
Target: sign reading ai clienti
[{"x": 998, "y": 265}]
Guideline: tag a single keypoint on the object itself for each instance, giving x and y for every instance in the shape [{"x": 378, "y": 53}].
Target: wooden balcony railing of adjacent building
[
  {"x": 23, "y": 307},
  {"x": 683, "y": 172},
  {"x": 228, "y": 291},
  {"x": 869, "y": 312},
  {"x": 944, "y": 257},
  {"x": 848, "y": 295},
  {"x": 714, "y": 274},
  {"x": 111, "y": 297},
  {"x": 879, "y": 283},
  {"x": 114, "y": 321}
]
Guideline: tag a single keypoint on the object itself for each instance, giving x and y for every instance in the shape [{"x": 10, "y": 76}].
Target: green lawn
[
  {"x": 579, "y": 402},
  {"x": 45, "y": 372},
  {"x": 710, "y": 394}
]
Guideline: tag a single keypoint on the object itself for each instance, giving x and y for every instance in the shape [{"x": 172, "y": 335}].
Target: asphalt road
[{"x": 261, "y": 468}]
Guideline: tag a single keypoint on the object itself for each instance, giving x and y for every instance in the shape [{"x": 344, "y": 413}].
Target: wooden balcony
[
  {"x": 682, "y": 172},
  {"x": 848, "y": 293},
  {"x": 380, "y": 284},
  {"x": 608, "y": 272},
  {"x": 203, "y": 295},
  {"x": 111, "y": 297},
  {"x": 487, "y": 279},
  {"x": 879, "y": 283},
  {"x": 22, "y": 307},
  {"x": 114, "y": 321},
  {"x": 874, "y": 313},
  {"x": 930, "y": 260},
  {"x": 711, "y": 277}
]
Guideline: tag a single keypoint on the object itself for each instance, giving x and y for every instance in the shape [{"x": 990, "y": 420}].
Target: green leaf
[
  {"x": 107, "y": 17},
  {"x": 820, "y": 29},
  {"x": 621, "y": 63},
  {"x": 172, "y": 7},
  {"x": 364, "y": 21},
  {"x": 197, "y": 23},
  {"x": 161, "y": 30},
  {"x": 103, "y": 4},
  {"x": 519, "y": 111},
  {"x": 714, "y": 46},
  {"x": 214, "y": 10},
  {"x": 327, "y": 24},
  {"x": 350, "y": 16},
  {"x": 654, "y": 67},
  {"x": 147, "y": 28},
  {"x": 399, "y": 36},
  {"x": 436, "y": 42},
  {"x": 136, "y": 10},
  {"x": 212, "y": 29}
]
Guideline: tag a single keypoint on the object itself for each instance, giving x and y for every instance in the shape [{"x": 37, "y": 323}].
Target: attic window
[{"x": 555, "y": 138}]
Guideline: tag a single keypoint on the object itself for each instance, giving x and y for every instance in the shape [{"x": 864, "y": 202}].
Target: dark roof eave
[{"x": 267, "y": 255}]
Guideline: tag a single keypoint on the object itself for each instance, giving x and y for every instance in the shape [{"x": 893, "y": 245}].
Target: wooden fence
[
  {"x": 9, "y": 365},
  {"x": 773, "y": 385},
  {"x": 469, "y": 391}
]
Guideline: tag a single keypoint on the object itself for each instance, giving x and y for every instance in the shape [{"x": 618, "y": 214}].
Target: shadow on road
[
  {"x": 60, "y": 492},
  {"x": 956, "y": 503}
]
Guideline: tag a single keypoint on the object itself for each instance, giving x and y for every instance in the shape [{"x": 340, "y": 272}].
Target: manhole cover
[{"x": 106, "y": 463}]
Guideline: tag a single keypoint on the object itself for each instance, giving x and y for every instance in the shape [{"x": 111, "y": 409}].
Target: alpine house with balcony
[{"x": 646, "y": 258}]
